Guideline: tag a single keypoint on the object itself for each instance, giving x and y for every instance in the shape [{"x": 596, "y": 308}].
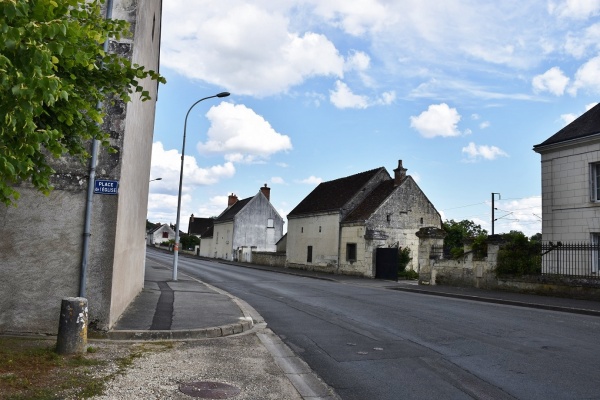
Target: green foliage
[
  {"x": 53, "y": 74},
  {"x": 457, "y": 232},
  {"x": 519, "y": 256},
  {"x": 403, "y": 258},
  {"x": 188, "y": 241}
]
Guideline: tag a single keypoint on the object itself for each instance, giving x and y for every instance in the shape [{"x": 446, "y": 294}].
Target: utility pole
[{"x": 493, "y": 208}]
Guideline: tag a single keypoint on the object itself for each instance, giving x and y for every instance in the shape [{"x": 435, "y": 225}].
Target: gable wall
[
  {"x": 222, "y": 241},
  {"x": 304, "y": 232},
  {"x": 568, "y": 214},
  {"x": 405, "y": 206},
  {"x": 251, "y": 226}
]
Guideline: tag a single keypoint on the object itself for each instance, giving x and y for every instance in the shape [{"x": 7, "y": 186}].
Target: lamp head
[{"x": 223, "y": 94}]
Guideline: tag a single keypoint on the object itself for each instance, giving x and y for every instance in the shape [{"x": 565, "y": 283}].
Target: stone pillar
[
  {"x": 493, "y": 242},
  {"x": 468, "y": 251},
  {"x": 72, "y": 327},
  {"x": 428, "y": 237}
]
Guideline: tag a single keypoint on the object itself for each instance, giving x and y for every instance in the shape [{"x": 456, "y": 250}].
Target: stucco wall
[
  {"x": 568, "y": 214},
  {"x": 251, "y": 225},
  {"x": 40, "y": 255},
  {"x": 222, "y": 241},
  {"x": 322, "y": 233}
]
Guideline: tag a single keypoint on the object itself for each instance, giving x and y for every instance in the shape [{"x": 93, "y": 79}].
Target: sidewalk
[{"x": 222, "y": 347}]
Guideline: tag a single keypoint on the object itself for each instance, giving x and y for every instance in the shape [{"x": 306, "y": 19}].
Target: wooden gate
[{"x": 386, "y": 263}]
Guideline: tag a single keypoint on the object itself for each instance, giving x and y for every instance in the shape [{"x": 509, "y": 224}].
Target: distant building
[
  {"x": 341, "y": 223},
  {"x": 247, "y": 225},
  {"x": 160, "y": 234}
]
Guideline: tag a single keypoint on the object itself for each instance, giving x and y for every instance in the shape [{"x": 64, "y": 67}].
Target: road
[{"x": 374, "y": 343}]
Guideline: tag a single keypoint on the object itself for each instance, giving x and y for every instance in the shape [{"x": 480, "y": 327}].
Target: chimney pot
[
  {"x": 232, "y": 200},
  {"x": 399, "y": 174}
]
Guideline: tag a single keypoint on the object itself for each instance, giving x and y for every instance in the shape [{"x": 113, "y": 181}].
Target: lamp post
[
  {"x": 157, "y": 179},
  {"x": 176, "y": 247}
]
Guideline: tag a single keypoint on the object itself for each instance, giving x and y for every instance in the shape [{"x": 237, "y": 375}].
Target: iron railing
[{"x": 571, "y": 259}]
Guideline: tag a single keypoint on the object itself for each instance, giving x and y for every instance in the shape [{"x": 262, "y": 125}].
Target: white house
[
  {"x": 571, "y": 183},
  {"x": 247, "y": 225},
  {"x": 160, "y": 234},
  {"x": 340, "y": 225}
]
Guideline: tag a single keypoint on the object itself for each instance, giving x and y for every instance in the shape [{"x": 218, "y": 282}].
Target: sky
[{"x": 459, "y": 90}]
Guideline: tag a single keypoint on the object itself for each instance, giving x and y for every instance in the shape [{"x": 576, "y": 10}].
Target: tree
[
  {"x": 519, "y": 256},
  {"x": 53, "y": 74},
  {"x": 457, "y": 232}
]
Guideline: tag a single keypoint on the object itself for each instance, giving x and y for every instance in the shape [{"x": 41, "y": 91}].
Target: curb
[
  {"x": 583, "y": 311},
  {"x": 204, "y": 333}
]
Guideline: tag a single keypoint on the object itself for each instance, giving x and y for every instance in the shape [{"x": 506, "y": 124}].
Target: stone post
[
  {"x": 493, "y": 242},
  {"x": 428, "y": 237},
  {"x": 72, "y": 327}
]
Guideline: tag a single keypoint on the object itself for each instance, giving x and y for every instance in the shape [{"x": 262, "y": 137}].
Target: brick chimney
[
  {"x": 399, "y": 174},
  {"x": 232, "y": 200},
  {"x": 266, "y": 191}
]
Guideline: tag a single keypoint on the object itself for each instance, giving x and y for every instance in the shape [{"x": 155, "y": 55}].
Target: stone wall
[{"x": 268, "y": 258}]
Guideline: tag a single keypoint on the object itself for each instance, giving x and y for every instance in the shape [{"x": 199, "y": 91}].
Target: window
[
  {"x": 270, "y": 223},
  {"x": 319, "y": 229},
  {"x": 350, "y": 252},
  {"x": 595, "y": 182},
  {"x": 302, "y": 230},
  {"x": 421, "y": 221},
  {"x": 165, "y": 235},
  {"x": 309, "y": 254}
]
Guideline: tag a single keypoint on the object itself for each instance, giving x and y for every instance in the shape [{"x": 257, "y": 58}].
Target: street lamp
[
  {"x": 157, "y": 179},
  {"x": 176, "y": 247}
]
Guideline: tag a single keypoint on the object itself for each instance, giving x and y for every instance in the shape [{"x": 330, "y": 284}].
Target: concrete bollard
[{"x": 72, "y": 328}]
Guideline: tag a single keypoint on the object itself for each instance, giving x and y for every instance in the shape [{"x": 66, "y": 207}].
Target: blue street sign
[{"x": 103, "y": 186}]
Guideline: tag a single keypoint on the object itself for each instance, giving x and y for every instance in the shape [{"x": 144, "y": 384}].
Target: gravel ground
[{"x": 240, "y": 361}]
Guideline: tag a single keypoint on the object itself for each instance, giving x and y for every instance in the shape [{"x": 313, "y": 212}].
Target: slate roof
[
  {"x": 232, "y": 211},
  {"x": 586, "y": 125},
  {"x": 199, "y": 225},
  {"x": 332, "y": 195},
  {"x": 372, "y": 202}
]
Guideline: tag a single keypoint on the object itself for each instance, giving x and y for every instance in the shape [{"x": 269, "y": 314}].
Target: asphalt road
[{"x": 373, "y": 343}]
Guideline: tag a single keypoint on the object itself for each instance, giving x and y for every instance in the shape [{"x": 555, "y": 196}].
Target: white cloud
[
  {"x": 342, "y": 97},
  {"x": 484, "y": 124},
  {"x": 311, "y": 180},
  {"x": 277, "y": 180},
  {"x": 358, "y": 61},
  {"x": 553, "y": 81},
  {"x": 568, "y": 118},
  {"x": 438, "y": 120},
  {"x": 575, "y": 9},
  {"x": 521, "y": 215},
  {"x": 167, "y": 163},
  {"x": 578, "y": 44},
  {"x": 587, "y": 77},
  {"x": 242, "y": 135},
  {"x": 243, "y": 47},
  {"x": 475, "y": 152},
  {"x": 387, "y": 98},
  {"x": 475, "y": 117}
]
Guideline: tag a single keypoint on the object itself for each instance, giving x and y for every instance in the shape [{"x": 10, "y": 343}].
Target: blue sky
[{"x": 460, "y": 90}]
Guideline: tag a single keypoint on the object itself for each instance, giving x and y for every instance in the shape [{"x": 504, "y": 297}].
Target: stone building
[
  {"x": 341, "y": 223},
  {"x": 41, "y": 250}
]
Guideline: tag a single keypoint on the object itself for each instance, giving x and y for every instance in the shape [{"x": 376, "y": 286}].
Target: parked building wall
[
  {"x": 568, "y": 212},
  {"x": 321, "y": 234},
  {"x": 258, "y": 226},
  {"x": 41, "y": 255}
]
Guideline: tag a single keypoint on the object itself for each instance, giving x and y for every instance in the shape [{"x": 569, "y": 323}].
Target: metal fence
[{"x": 571, "y": 259}]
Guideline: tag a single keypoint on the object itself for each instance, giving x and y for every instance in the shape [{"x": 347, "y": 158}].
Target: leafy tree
[
  {"x": 519, "y": 255},
  {"x": 457, "y": 232},
  {"x": 188, "y": 241},
  {"x": 53, "y": 74}
]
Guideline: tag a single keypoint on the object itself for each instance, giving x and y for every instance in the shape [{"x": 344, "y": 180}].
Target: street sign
[{"x": 103, "y": 186}]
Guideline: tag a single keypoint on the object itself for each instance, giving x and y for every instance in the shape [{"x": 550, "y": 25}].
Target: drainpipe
[{"x": 90, "y": 192}]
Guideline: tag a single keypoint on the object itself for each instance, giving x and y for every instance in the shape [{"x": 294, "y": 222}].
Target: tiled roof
[
  {"x": 586, "y": 125},
  {"x": 332, "y": 195},
  {"x": 199, "y": 225},
  {"x": 232, "y": 211},
  {"x": 372, "y": 202}
]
